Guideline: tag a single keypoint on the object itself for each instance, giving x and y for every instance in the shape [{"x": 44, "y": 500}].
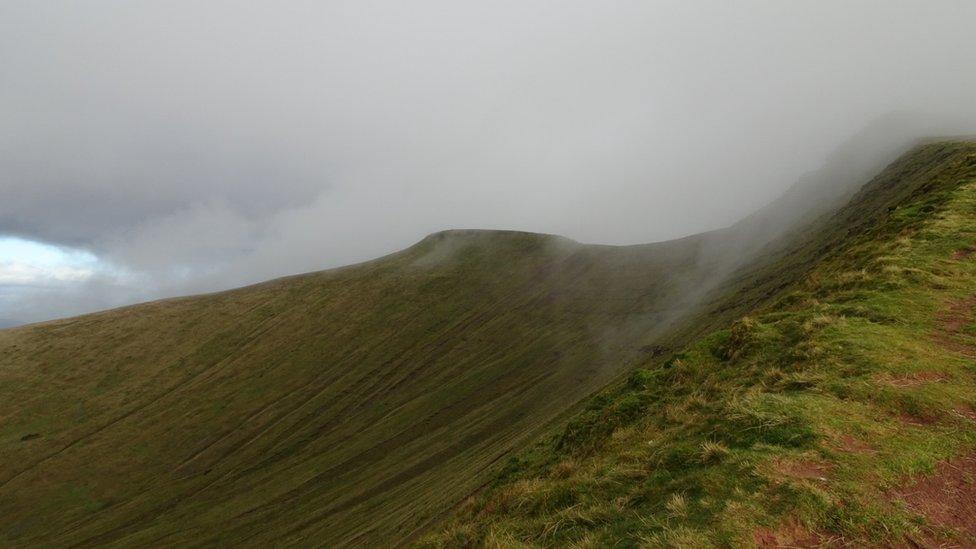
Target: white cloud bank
[{"x": 194, "y": 146}]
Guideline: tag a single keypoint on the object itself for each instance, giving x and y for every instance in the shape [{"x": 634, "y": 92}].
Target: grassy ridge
[
  {"x": 356, "y": 406},
  {"x": 342, "y": 407},
  {"x": 797, "y": 424}
]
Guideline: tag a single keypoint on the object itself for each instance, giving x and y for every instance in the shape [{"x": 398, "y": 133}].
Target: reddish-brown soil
[
  {"x": 947, "y": 500},
  {"x": 964, "y": 253},
  {"x": 914, "y": 379},
  {"x": 793, "y": 534},
  {"x": 802, "y": 469},
  {"x": 965, "y": 412},
  {"x": 951, "y": 323},
  {"x": 849, "y": 444},
  {"x": 915, "y": 420}
]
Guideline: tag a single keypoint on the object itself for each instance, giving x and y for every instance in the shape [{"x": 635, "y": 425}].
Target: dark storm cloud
[{"x": 194, "y": 146}]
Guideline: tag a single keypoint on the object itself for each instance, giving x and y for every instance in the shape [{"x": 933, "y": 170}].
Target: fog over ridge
[{"x": 200, "y": 147}]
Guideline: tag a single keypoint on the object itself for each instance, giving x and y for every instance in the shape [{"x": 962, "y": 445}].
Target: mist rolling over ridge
[
  {"x": 360, "y": 405},
  {"x": 198, "y": 150},
  {"x": 535, "y": 273}
]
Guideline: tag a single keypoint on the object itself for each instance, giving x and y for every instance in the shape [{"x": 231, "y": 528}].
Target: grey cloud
[{"x": 198, "y": 146}]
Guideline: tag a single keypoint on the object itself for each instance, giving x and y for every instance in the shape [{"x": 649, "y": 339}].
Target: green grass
[
  {"x": 752, "y": 426},
  {"x": 343, "y": 407},
  {"x": 359, "y": 406}
]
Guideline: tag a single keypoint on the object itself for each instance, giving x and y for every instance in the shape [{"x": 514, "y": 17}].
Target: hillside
[
  {"x": 358, "y": 405},
  {"x": 339, "y": 406},
  {"x": 842, "y": 413},
  {"x": 350, "y": 405}
]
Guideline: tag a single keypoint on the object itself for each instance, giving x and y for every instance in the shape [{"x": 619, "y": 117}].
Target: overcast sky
[{"x": 151, "y": 149}]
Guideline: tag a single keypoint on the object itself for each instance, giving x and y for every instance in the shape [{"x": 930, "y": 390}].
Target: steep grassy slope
[
  {"x": 355, "y": 406},
  {"x": 345, "y": 406},
  {"x": 842, "y": 412}
]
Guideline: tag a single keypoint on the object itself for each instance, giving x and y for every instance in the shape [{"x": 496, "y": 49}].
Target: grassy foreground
[{"x": 843, "y": 413}]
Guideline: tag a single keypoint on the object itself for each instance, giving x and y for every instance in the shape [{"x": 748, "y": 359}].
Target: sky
[{"x": 160, "y": 148}]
